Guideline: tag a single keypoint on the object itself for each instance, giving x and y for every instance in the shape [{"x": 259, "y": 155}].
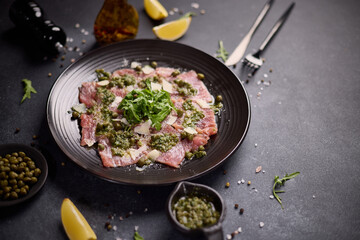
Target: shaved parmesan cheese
[
  {"x": 135, "y": 64},
  {"x": 202, "y": 103},
  {"x": 103, "y": 83},
  {"x": 123, "y": 120},
  {"x": 116, "y": 102},
  {"x": 147, "y": 69},
  {"x": 190, "y": 130},
  {"x": 89, "y": 142},
  {"x": 143, "y": 128},
  {"x": 171, "y": 120},
  {"x": 167, "y": 86},
  {"x": 155, "y": 86},
  {"x": 129, "y": 88},
  {"x": 134, "y": 153},
  {"x": 80, "y": 108},
  {"x": 154, "y": 154}
]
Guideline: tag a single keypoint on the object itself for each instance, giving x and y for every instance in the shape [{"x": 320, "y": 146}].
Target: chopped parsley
[{"x": 281, "y": 182}]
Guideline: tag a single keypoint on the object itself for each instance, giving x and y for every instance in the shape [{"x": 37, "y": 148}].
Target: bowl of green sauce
[{"x": 196, "y": 210}]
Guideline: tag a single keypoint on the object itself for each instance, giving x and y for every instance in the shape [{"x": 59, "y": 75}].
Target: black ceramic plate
[
  {"x": 40, "y": 162},
  {"x": 233, "y": 123}
]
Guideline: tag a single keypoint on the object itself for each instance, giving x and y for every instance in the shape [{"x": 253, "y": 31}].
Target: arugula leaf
[
  {"x": 146, "y": 104},
  {"x": 222, "y": 53},
  {"x": 28, "y": 89},
  {"x": 281, "y": 182},
  {"x": 137, "y": 236}
]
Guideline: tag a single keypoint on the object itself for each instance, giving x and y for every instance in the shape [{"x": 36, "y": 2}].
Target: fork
[{"x": 253, "y": 61}]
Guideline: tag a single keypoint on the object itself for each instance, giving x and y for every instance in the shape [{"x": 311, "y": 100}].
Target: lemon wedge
[
  {"x": 75, "y": 225},
  {"x": 155, "y": 10},
  {"x": 172, "y": 30}
]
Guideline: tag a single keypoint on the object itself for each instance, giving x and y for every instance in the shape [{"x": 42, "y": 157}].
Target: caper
[
  {"x": 201, "y": 148},
  {"x": 13, "y": 160},
  {"x": 17, "y": 190},
  {"x": 6, "y": 189},
  {"x": 20, "y": 159},
  {"x": 2, "y": 162},
  {"x": 27, "y": 179},
  {"x": 20, "y": 183},
  {"x": 23, "y": 191},
  {"x": 14, "y": 167},
  {"x": 22, "y": 154},
  {"x": 37, "y": 172},
  {"x": 218, "y": 98},
  {"x": 153, "y": 64},
  {"x": 27, "y": 159},
  {"x": 4, "y": 183},
  {"x": 188, "y": 155},
  {"x": 21, "y": 176},
  {"x": 6, "y": 196},
  {"x": 15, "y": 154},
  {"x": 101, "y": 147},
  {"x": 2, "y": 175},
  {"x": 29, "y": 174},
  {"x": 14, "y": 195},
  {"x": 200, "y": 76},
  {"x": 8, "y": 156},
  {"x": 75, "y": 114},
  {"x": 141, "y": 162},
  {"x": 6, "y": 169},
  {"x": 138, "y": 68},
  {"x": 12, "y": 182},
  {"x": 26, "y": 187},
  {"x": 175, "y": 73},
  {"x": 114, "y": 115},
  {"x": 34, "y": 180}
]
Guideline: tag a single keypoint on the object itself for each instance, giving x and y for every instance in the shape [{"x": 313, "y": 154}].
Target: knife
[{"x": 240, "y": 49}]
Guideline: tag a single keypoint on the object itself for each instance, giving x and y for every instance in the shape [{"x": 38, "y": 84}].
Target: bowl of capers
[{"x": 23, "y": 172}]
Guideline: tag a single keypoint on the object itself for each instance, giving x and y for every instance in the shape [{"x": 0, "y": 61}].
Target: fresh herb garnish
[
  {"x": 280, "y": 182},
  {"x": 188, "y": 14},
  {"x": 144, "y": 104},
  {"x": 222, "y": 53},
  {"x": 28, "y": 89},
  {"x": 137, "y": 236}
]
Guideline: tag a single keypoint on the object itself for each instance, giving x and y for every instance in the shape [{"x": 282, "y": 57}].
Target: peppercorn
[
  {"x": 241, "y": 210},
  {"x": 227, "y": 185},
  {"x": 236, "y": 206},
  {"x": 249, "y": 182}
]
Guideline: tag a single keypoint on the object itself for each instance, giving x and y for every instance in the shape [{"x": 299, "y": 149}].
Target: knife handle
[
  {"x": 261, "y": 16},
  {"x": 276, "y": 27}
]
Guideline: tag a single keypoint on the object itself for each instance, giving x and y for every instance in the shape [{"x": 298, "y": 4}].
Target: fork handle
[{"x": 276, "y": 27}]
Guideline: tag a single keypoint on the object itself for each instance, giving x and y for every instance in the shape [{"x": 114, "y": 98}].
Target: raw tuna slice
[
  {"x": 88, "y": 127},
  {"x": 88, "y": 93}
]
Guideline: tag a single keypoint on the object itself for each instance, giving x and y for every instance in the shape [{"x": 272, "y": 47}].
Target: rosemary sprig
[
  {"x": 222, "y": 53},
  {"x": 280, "y": 182}
]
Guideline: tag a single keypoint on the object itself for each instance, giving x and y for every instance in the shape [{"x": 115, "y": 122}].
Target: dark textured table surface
[{"x": 306, "y": 120}]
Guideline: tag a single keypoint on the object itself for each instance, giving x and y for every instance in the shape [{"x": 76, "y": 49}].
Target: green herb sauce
[
  {"x": 185, "y": 88},
  {"x": 195, "y": 212},
  {"x": 163, "y": 142}
]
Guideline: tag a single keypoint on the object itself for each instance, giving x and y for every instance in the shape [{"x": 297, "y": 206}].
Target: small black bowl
[
  {"x": 182, "y": 189},
  {"x": 40, "y": 162}
]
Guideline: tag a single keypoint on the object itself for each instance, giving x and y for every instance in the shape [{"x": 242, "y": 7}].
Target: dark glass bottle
[{"x": 28, "y": 16}]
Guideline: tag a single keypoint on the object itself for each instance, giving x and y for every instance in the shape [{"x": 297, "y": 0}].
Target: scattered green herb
[
  {"x": 137, "y": 236},
  {"x": 188, "y": 14},
  {"x": 280, "y": 182},
  {"x": 222, "y": 53},
  {"x": 28, "y": 89},
  {"x": 147, "y": 104}
]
